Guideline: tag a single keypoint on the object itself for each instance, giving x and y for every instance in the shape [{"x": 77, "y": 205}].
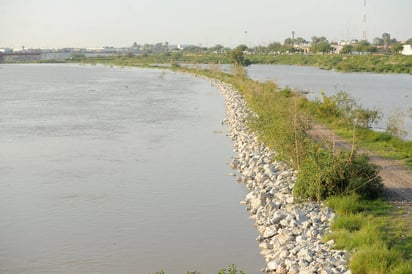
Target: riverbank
[
  {"x": 290, "y": 234},
  {"x": 342, "y": 62},
  {"x": 401, "y": 64}
]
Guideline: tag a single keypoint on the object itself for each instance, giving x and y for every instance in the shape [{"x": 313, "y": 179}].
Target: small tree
[
  {"x": 217, "y": 48},
  {"x": 396, "y": 48},
  {"x": 320, "y": 44},
  {"x": 237, "y": 57},
  {"x": 274, "y": 47},
  {"x": 364, "y": 46},
  {"x": 347, "y": 49}
]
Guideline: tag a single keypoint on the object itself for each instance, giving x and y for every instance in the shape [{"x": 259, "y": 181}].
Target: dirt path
[{"x": 397, "y": 179}]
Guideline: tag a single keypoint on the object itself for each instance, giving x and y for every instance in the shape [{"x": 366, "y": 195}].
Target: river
[
  {"x": 391, "y": 94},
  {"x": 117, "y": 170}
]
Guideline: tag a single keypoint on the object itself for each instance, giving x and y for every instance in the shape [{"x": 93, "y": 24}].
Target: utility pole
[{"x": 246, "y": 38}]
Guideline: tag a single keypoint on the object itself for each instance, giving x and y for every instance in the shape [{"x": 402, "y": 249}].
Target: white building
[
  {"x": 6, "y": 50},
  {"x": 407, "y": 50}
]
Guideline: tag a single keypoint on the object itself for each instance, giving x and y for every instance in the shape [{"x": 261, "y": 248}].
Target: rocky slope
[{"x": 290, "y": 234}]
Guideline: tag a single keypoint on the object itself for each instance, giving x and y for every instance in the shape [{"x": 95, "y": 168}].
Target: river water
[
  {"x": 391, "y": 94},
  {"x": 117, "y": 170}
]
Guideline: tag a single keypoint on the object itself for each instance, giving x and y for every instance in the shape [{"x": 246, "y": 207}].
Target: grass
[
  {"x": 380, "y": 143},
  {"x": 372, "y": 231}
]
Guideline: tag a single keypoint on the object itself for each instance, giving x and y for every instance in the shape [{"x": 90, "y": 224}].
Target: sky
[{"x": 120, "y": 23}]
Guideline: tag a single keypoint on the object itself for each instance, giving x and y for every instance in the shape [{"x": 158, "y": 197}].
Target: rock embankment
[{"x": 290, "y": 234}]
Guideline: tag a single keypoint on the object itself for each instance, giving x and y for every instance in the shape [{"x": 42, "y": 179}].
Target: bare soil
[{"x": 396, "y": 176}]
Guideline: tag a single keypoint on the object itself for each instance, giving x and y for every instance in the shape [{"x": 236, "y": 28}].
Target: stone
[
  {"x": 300, "y": 238},
  {"x": 269, "y": 232},
  {"x": 289, "y": 233},
  {"x": 273, "y": 265}
]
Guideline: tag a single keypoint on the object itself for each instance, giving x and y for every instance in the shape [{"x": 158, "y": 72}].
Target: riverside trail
[{"x": 396, "y": 176}]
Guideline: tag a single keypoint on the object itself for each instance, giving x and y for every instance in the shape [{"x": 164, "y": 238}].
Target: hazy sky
[{"x": 97, "y": 23}]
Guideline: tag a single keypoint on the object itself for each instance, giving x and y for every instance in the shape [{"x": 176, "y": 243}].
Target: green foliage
[
  {"x": 388, "y": 144},
  {"x": 376, "y": 258},
  {"x": 274, "y": 47},
  {"x": 403, "y": 268},
  {"x": 372, "y": 233},
  {"x": 396, "y": 48},
  {"x": 364, "y": 46},
  {"x": 320, "y": 45},
  {"x": 237, "y": 57},
  {"x": 326, "y": 172},
  {"x": 342, "y": 108},
  {"x": 279, "y": 122},
  {"x": 347, "y": 49},
  {"x": 345, "y": 204},
  {"x": 231, "y": 270},
  {"x": 349, "y": 222},
  {"x": 286, "y": 92}
]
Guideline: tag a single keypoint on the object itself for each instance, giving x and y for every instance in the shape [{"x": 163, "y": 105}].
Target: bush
[{"x": 326, "y": 172}]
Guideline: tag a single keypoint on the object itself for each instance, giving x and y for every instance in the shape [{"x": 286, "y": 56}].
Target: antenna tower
[{"x": 365, "y": 34}]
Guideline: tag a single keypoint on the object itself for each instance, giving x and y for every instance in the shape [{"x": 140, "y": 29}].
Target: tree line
[{"x": 316, "y": 45}]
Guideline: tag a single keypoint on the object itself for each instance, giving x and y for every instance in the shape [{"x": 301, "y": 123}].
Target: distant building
[
  {"x": 6, "y": 50},
  {"x": 407, "y": 50}
]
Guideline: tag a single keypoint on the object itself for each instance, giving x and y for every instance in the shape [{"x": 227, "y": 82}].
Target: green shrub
[{"x": 326, "y": 172}]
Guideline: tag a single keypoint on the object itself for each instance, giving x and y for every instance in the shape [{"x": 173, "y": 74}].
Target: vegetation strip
[
  {"x": 377, "y": 63},
  {"x": 290, "y": 233}
]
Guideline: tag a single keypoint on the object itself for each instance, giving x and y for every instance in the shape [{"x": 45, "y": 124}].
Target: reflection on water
[{"x": 110, "y": 170}]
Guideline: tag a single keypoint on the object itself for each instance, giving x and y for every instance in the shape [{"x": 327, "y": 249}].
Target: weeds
[{"x": 366, "y": 229}]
